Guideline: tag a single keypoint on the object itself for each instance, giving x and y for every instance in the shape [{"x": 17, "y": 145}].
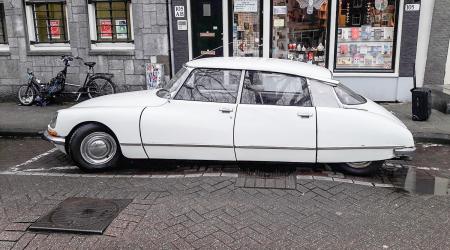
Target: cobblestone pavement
[{"x": 193, "y": 205}]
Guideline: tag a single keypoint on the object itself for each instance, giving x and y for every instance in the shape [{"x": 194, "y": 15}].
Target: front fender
[{"x": 122, "y": 121}]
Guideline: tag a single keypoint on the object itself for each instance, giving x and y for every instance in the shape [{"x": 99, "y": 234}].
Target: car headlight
[{"x": 53, "y": 121}]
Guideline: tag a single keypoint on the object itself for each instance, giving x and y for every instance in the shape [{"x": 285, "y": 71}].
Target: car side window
[
  {"x": 211, "y": 85},
  {"x": 275, "y": 89}
]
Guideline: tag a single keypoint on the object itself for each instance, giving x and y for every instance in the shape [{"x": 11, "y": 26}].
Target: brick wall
[
  {"x": 150, "y": 38},
  {"x": 438, "y": 46}
]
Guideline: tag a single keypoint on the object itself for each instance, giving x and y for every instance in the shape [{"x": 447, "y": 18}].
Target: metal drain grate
[
  {"x": 266, "y": 178},
  {"x": 82, "y": 215}
]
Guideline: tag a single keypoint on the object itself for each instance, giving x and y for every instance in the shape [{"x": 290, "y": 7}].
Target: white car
[{"x": 235, "y": 109}]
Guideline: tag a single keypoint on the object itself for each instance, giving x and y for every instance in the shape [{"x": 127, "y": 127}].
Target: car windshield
[
  {"x": 173, "y": 84},
  {"x": 348, "y": 96}
]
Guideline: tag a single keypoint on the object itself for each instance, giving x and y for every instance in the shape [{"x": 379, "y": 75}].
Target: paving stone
[{"x": 10, "y": 236}]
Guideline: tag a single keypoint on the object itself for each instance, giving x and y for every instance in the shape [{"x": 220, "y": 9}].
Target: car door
[
  {"x": 275, "y": 120},
  {"x": 198, "y": 122}
]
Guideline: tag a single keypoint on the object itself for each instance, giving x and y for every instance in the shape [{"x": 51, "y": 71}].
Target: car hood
[
  {"x": 142, "y": 98},
  {"x": 378, "y": 109}
]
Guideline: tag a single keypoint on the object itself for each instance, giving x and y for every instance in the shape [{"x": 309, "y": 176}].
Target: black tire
[
  {"x": 83, "y": 151},
  {"x": 100, "y": 86},
  {"x": 364, "y": 169},
  {"x": 26, "y": 95}
]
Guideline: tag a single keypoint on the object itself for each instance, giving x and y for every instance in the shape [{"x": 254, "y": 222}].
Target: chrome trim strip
[
  {"x": 362, "y": 147},
  {"x": 260, "y": 147},
  {"x": 54, "y": 139},
  {"x": 186, "y": 145},
  {"x": 277, "y": 148},
  {"x": 130, "y": 144}
]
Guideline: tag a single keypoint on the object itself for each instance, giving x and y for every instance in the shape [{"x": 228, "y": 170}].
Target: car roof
[{"x": 265, "y": 64}]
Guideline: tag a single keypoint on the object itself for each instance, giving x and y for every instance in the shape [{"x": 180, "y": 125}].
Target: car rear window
[{"x": 347, "y": 96}]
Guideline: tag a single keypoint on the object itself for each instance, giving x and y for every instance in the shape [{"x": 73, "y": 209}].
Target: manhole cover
[
  {"x": 85, "y": 215},
  {"x": 280, "y": 178}
]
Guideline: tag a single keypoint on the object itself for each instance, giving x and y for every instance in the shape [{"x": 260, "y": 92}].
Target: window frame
[
  {"x": 306, "y": 81},
  {"x": 33, "y": 37},
  {"x": 395, "y": 43},
  {"x": 238, "y": 93},
  {"x": 113, "y": 43},
  {"x": 4, "y": 33}
]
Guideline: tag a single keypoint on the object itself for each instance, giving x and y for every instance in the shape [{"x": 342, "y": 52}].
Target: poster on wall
[
  {"x": 154, "y": 75},
  {"x": 121, "y": 29},
  {"x": 55, "y": 29},
  {"x": 105, "y": 29},
  {"x": 245, "y": 6}
]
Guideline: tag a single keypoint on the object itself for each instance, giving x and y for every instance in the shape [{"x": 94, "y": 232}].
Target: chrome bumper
[
  {"x": 54, "y": 139},
  {"x": 404, "y": 153}
]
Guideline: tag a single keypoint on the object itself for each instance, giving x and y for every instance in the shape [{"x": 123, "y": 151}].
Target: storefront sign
[
  {"x": 121, "y": 29},
  {"x": 279, "y": 10},
  {"x": 179, "y": 11},
  {"x": 245, "y": 5},
  {"x": 55, "y": 29},
  {"x": 105, "y": 29},
  {"x": 182, "y": 24},
  {"x": 412, "y": 7},
  {"x": 154, "y": 75}
]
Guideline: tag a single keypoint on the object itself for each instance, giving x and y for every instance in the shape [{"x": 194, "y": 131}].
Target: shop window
[
  {"x": 275, "y": 89},
  {"x": 3, "y": 36},
  {"x": 110, "y": 21},
  {"x": 299, "y": 30},
  {"x": 47, "y": 22},
  {"x": 246, "y": 28},
  {"x": 366, "y": 35}
]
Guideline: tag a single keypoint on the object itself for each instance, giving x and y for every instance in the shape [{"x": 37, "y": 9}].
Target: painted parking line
[{"x": 16, "y": 167}]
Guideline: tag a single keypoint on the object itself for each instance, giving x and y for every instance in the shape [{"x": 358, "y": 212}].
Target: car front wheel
[
  {"x": 94, "y": 148},
  {"x": 359, "y": 168}
]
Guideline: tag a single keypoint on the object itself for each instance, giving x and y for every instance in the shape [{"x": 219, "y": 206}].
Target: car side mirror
[{"x": 189, "y": 85}]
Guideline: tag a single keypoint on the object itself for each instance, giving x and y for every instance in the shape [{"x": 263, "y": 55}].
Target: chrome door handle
[
  {"x": 304, "y": 114},
  {"x": 226, "y": 110}
]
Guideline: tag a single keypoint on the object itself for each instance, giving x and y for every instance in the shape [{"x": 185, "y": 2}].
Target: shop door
[
  {"x": 207, "y": 31},
  {"x": 246, "y": 29}
]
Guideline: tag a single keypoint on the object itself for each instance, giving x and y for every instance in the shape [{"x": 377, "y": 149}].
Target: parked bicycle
[{"x": 95, "y": 84}]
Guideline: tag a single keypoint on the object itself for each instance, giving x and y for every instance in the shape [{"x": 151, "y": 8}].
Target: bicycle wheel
[
  {"x": 26, "y": 95},
  {"x": 99, "y": 86}
]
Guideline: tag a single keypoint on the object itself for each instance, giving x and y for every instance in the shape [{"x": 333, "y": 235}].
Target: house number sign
[{"x": 179, "y": 11}]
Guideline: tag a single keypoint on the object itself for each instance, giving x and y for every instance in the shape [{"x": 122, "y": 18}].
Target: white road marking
[{"x": 16, "y": 167}]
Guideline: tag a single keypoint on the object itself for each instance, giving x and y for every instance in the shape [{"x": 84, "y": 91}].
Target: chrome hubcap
[
  {"x": 98, "y": 148},
  {"x": 362, "y": 164}
]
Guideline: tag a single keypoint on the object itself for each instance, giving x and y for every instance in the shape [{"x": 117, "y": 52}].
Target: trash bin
[{"x": 421, "y": 101}]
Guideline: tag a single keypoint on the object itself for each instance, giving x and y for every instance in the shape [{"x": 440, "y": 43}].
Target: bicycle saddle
[{"x": 90, "y": 64}]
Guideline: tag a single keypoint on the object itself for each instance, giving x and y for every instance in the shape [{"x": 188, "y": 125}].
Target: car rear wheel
[
  {"x": 359, "y": 168},
  {"x": 94, "y": 148}
]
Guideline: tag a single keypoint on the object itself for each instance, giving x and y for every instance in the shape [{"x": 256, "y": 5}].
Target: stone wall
[{"x": 150, "y": 39}]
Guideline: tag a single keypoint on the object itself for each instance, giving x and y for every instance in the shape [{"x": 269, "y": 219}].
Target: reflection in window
[
  {"x": 366, "y": 34},
  {"x": 49, "y": 22},
  {"x": 275, "y": 89},
  {"x": 299, "y": 30},
  {"x": 113, "y": 21},
  {"x": 3, "y": 37},
  {"x": 211, "y": 85},
  {"x": 247, "y": 28}
]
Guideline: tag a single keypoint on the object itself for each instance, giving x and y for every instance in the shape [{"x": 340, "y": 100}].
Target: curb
[
  {"x": 438, "y": 138},
  {"x": 36, "y": 134}
]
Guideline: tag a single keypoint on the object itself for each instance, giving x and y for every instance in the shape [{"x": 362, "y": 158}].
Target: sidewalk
[
  {"x": 436, "y": 129},
  {"x": 18, "y": 120},
  {"x": 28, "y": 121}
]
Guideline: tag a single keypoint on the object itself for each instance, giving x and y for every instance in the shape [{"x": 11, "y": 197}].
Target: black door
[{"x": 207, "y": 32}]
